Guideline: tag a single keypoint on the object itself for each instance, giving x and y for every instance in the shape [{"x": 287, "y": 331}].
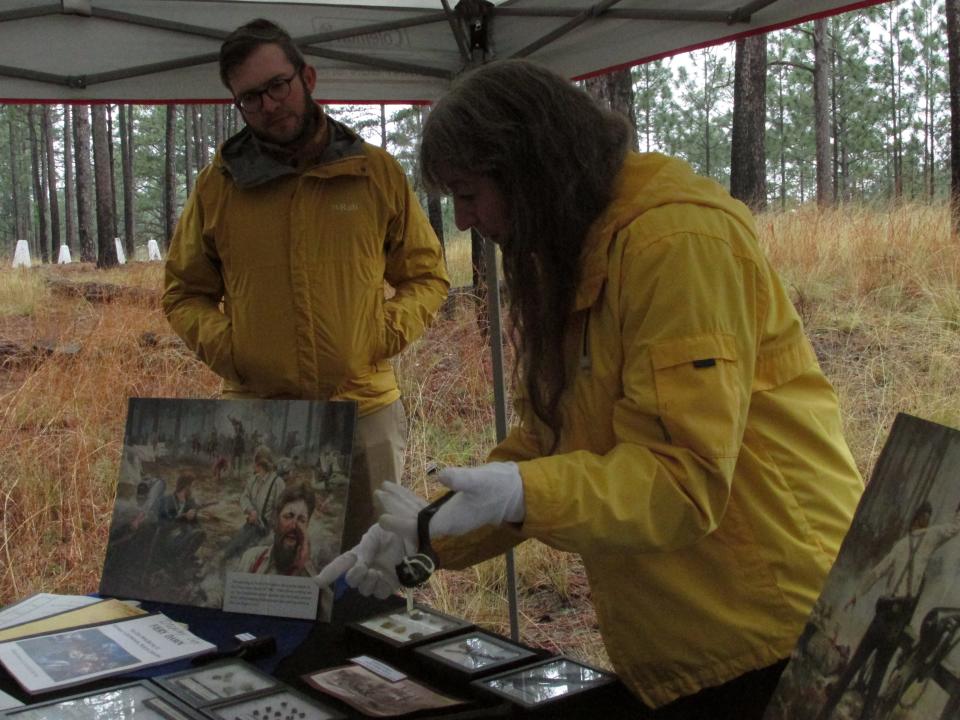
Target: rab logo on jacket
[{"x": 345, "y": 207}]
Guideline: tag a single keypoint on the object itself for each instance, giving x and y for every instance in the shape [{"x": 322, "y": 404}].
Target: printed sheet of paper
[
  {"x": 59, "y": 660},
  {"x": 278, "y": 595},
  {"x": 41, "y": 605},
  {"x": 101, "y": 611},
  {"x": 374, "y": 695}
]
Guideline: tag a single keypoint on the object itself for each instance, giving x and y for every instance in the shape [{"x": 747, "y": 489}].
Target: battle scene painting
[
  {"x": 212, "y": 486},
  {"x": 882, "y": 640}
]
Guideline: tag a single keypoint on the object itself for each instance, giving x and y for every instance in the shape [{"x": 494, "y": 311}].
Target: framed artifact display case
[
  {"x": 401, "y": 629},
  {"x": 213, "y": 683},
  {"x": 282, "y": 703},
  {"x": 474, "y": 654},
  {"x": 139, "y": 700},
  {"x": 548, "y": 681}
]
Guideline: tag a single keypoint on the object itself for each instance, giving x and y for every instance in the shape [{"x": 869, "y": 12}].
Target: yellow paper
[{"x": 104, "y": 611}]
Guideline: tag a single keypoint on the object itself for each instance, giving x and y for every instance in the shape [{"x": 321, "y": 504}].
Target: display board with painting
[
  {"x": 883, "y": 640},
  {"x": 213, "y": 489}
]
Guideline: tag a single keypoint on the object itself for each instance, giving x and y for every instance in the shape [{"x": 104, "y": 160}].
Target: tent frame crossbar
[
  {"x": 605, "y": 10},
  {"x": 309, "y": 43}
]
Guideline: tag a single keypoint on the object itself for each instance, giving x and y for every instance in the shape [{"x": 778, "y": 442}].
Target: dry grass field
[{"x": 878, "y": 289}]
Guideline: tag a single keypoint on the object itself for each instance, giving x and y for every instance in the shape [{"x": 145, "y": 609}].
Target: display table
[{"x": 306, "y": 647}]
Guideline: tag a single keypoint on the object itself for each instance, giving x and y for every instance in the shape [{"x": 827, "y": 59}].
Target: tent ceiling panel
[{"x": 162, "y": 50}]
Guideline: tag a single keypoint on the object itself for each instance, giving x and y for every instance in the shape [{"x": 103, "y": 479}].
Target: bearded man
[
  {"x": 290, "y": 552},
  {"x": 276, "y": 272}
]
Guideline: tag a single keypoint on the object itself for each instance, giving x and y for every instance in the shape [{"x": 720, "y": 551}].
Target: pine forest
[{"x": 81, "y": 176}]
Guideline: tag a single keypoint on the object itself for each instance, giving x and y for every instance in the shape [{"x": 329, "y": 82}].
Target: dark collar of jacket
[{"x": 249, "y": 163}]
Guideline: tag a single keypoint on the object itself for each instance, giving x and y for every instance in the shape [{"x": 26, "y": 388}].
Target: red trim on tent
[
  {"x": 217, "y": 101},
  {"x": 100, "y": 101},
  {"x": 732, "y": 38}
]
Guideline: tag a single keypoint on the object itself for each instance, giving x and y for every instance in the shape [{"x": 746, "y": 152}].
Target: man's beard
[
  {"x": 305, "y": 132},
  {"x": 285, "y": 556}
]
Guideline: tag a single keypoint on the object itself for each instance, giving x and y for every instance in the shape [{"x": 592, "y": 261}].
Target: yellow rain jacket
[
  {"x": 701, "y": 472},
  {"x": 299, "y": 260}
]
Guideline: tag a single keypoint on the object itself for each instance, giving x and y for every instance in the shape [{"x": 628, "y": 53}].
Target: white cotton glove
[
  {"x": 400, "y": 510},
  {"x": 370, "y": 566},
  {"x": 490, "y": 494}
]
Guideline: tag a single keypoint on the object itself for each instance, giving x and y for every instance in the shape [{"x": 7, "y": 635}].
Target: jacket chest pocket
[
  {"x": 698, "y": 394},
  {"x": 254, "y": 229}
]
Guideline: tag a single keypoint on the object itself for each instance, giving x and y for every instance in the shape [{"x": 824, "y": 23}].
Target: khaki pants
[{"x": 379, "y": 444}]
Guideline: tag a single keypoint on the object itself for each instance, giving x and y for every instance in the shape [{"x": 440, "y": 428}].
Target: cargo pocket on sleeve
[{"x": 698, "y": 397}]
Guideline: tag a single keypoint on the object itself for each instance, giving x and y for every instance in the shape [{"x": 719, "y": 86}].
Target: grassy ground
[{"x": 879, "y": 291}]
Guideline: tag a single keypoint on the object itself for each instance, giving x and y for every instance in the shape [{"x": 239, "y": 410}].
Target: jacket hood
[
  {"x": 249, "y": 163},
  {"x": 647, "y": 181}
]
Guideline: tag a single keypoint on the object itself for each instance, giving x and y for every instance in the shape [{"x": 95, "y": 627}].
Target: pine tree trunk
[
  {"x": 113, "y": 174},
  {"x": 782, "y": 139},
  {"x": 896, "y": 164},
  {"x": 170, "y": 176},
  {"x": 217, "y": 126},
  {"x": 953, "y": 52},
  {"x": 821, "y": 111},
  {"x": 81, "y": 144},
  {"x": 615, "y": 91},
  {"x": 199, "y": 137},
  {"x": 748, "y": 159},
  {"x": 69, "y": 194},
  {"x": 126, "y": 160},
  {"x": 52, "y": 185},
  {"x": 107, "y": 248},
  {"x": 187, "y": 145},
  {"x": 383, "y": 126},
  {"x": 42, "y": 241},
  {"x": 18, "y": 214},
  {"x": 835, "y": 121},
  {"x": 706, "y": 123}
]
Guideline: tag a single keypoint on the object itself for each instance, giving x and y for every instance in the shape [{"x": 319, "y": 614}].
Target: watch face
[{"x": 415, "y": 570}]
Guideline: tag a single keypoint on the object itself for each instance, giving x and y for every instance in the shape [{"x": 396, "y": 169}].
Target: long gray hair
[{"x": 553, "y": 153}]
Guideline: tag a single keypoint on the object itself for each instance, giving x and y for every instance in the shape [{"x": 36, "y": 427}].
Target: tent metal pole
[
  {"x": 27, "y": 13},
  {"x": 457, "y": 31},
  {"x": 500, "y": 404},
  {"x": 396, "y": 66},
  {"x": 590, "y": 13}
]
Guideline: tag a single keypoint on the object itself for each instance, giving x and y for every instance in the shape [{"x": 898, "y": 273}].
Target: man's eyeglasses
[{"x": 278, "y": 89}]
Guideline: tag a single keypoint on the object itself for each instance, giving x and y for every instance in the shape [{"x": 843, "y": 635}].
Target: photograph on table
[
  {"x": 210, "y": 488},
  {"x": 475, "y": 653},
  {"x": 132, "y": 701},
  {"x": 283, "y": 704},
  {"x": 548, "y": 681},
  {"x": 374, "y": 695},
  {"x": 401, "y": 629},
  {"x": 883, "y": 639},
  {"x": 222, "y": 680}
]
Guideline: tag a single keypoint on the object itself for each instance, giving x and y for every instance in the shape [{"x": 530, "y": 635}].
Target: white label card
[{"x": 378, "y": 668}]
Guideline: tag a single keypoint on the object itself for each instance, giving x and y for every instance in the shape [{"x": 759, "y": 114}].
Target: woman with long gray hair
[{"x": 675, "y": 428}]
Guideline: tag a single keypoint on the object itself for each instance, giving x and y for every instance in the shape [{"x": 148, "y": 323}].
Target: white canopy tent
[
  {"x": 393, "y": 51},
  {"x": 363, "y": 50}
]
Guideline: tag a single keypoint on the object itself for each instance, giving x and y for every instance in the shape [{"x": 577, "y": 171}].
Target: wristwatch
[{"x": 416, "y": 569}]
